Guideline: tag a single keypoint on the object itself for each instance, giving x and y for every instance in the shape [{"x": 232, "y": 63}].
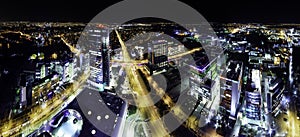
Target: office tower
[
  {"x": 99, "y": 55},
  {"x": 230, "y": 82}
]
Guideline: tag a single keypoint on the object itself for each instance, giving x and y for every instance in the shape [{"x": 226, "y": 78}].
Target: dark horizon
[{"x": 214, "y": 11}]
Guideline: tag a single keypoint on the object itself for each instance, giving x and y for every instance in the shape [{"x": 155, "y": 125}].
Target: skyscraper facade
[{"x": 99, "y": 56}]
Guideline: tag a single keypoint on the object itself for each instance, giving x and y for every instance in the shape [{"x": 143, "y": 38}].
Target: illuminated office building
[
  {"x": 26, "y": 80},
  {"x": 230, "y": 86},
  {"x": 157, "y": 56},
  {"x": 253, "y": 97},
  {"x": 202, "y": 81},
  {"x": 274, "y": 93},
  {"x": 99, "y": 56}
]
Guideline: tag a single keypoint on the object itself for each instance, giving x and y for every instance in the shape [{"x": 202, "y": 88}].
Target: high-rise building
[
  {"x": 68, "y": 71},
  {"x": 26, "y": 81},
  {"x": 230, "y": 86},
  {"x": 274, "y": 93},
  {"x": 99, "y": 54},
  {"x": 253, "y": 105},
  {"x": 157, "y": 56},
  {"x": 202, "y": 81},
  {"x": 253, "y": 98},
  {"x": 106, "y": 61}
]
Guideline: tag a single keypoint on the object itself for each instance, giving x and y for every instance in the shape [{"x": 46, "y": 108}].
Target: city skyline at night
[{"x": 149, "y": 69}]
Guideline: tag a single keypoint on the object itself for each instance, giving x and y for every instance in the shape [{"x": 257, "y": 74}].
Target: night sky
[{"x": 249, "y": 11}]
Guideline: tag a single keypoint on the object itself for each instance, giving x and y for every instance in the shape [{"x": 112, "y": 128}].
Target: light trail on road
[
  {"x": 157, "y": 127},
  {"x": 38, "y": 115}
]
